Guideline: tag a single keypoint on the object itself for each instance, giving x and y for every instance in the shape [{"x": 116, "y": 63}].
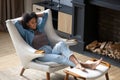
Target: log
[
  {"x": 92, "y": 45},
  {"x": 111, "y": 49},
  {"x": 103, "y": 45}
]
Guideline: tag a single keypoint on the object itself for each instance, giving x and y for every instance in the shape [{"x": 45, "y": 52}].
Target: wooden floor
[{"x": 9, "y": 59}]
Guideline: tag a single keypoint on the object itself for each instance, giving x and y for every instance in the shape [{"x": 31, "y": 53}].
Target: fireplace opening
[
  {"x": 97, "y": 27},
  {"x": 107, "y": 31}
]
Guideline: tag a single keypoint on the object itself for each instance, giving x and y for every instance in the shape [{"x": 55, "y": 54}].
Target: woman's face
[{"x": 32, "y": 23}]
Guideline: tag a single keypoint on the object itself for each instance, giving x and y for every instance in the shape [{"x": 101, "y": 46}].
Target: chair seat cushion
[
  {"x": 50, "y": 64},
  {"x": 89, "y": 73},
  {"x": 46, "y": 66}
]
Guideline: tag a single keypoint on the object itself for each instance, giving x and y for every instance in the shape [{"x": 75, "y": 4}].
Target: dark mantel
[{"x": 112, "y": 4}]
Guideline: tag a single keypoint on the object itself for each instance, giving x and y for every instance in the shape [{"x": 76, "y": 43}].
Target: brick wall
[{"x": 108, "y": 24}]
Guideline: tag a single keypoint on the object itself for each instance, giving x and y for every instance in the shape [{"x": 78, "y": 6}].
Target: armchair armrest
[
  {"x": 50, "y": 31},
  {"x": 71, "y": 42},
  {"x": 27, "y": 53}
]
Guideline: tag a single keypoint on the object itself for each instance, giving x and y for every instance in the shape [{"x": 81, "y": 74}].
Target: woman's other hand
[{"x": 39, "y": 52}]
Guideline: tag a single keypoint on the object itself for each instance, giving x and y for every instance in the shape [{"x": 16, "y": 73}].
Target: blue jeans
[{"x": 59, "y": 54}]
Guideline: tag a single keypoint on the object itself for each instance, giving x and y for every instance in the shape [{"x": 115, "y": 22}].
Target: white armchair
[{"x": 26, "y": 53}]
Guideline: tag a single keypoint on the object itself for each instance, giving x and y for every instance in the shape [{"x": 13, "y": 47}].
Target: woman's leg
[
  {"x": 76, "y": 62},
  {"x": 62, "y": 48},
  {"x": 62, "y": 54},
  {"x": 56, "y": 58}
]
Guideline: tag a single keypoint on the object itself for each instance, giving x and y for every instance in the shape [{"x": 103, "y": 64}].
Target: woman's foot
[
  {"x": 78, "y": 66},
  {"x": 94, "y": 64}
]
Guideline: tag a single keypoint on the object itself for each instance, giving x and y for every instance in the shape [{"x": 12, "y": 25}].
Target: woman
[{"x": 31, "y": 29}]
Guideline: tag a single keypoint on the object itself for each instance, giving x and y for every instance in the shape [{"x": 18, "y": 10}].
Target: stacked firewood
[{"x": 111, "y": 49}]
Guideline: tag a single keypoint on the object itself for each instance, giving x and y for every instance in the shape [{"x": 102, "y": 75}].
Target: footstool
[{"x": 101, "y": 69}]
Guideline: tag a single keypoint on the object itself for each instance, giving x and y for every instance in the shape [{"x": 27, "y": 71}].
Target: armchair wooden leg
[
  {"x": 66, "y": 77},
  {"x": 107, "y": 76},
  {"x": 48, "y": 75},
  {"x": 22, "y": 71},
  {"x": 75, "y": 78}
]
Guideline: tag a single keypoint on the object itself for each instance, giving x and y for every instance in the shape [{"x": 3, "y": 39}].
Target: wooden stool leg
[
  {"x": 48, "y": 75},
  {"x": 66, "y": 77},
  {"x": 22, "y": 71},
  {"x": 107, "y": 76},
  {"x": 73, "y": 76}
]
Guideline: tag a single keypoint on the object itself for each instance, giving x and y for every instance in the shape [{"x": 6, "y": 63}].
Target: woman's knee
[{"x": 58, "y": 47}]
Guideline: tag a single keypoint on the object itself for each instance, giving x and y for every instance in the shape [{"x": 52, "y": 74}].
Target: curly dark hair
[{"x": 27, "y": 17}]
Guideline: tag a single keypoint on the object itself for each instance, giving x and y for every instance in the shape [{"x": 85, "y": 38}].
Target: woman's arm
[
  {"x": 40, "y": 14},
  {"x": 20, "y": 28},
  {"x": 42, "y": 22}
]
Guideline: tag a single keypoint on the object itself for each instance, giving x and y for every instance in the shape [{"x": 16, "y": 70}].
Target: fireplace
[{"x": 96, "y": 20}]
